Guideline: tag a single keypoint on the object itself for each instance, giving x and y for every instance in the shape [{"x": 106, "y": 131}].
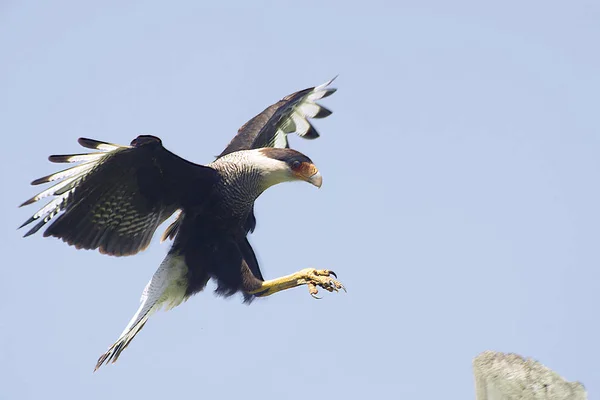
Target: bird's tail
[
  {"x": 166, "y": 288},
  {"x": 135, "y": 325}
]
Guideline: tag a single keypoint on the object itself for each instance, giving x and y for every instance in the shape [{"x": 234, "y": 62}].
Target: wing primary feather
[
  {"x": 55, "y": 203},
  {"x": 98, "y": 145},
  {"x": 289, "y": 115},
  {"x": 35, "y": 228},
  {"x": 324, "y": 85},
  {"x": 46, "y": 213},
  {"x": 65, "y": 173},
  {"x": 53, "y": 190},
  {"x": 116, "y": 198},
  {"x": 301, "y": 123},
  {"x": 280, "y": 140},
  {"x": 321, "y": 94},
  {"x": 30, "y": 220},
  {"x": 43, "y": 222},
  {"x": 288, "y": 126},
  {"x": 311, "y": 133},
  {"x": 322, "y": 113},
  {"x": 71, "y": 158},
  {"x": 308, "y": 109}
]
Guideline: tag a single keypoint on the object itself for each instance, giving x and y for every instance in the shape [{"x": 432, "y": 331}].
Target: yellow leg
[{"x": 311, "y": 277}]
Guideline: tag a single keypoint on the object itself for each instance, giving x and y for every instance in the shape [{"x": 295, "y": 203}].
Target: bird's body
[{"x": 116, "y": 199}]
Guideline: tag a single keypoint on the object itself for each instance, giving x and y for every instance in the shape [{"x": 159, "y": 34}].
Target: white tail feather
[{"x": 166, "y": 288}]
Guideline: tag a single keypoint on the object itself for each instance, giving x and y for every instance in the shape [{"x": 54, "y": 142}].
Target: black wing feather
[
  {"x": 271, "y": 127},
  {"x": 117, "y": 201}
]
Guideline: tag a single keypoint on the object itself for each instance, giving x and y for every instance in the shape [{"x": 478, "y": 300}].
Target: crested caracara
[{"x": 116, "y": 197}]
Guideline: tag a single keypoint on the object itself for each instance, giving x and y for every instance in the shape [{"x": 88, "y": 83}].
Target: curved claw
[
  {"x": 332, "y": 286},
  {"x": 316, "y": 279}
]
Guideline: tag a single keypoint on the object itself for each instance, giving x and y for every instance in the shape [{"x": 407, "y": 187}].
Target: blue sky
[{"x": 460, "y": 200}]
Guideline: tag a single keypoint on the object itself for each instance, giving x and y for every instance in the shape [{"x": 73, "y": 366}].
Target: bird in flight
[{"x": 116, "y": 198}]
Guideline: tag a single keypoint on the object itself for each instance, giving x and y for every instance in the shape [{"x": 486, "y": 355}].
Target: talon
[
  {"x": 313, "y": 290},
  {"x": 316, "y": 279}
]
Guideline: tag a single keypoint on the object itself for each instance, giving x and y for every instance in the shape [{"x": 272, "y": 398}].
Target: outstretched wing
[
  {"x": 117, "y": 197},
  {"x": 270, "y": 129},
  {"x": 289, "y": 115}
]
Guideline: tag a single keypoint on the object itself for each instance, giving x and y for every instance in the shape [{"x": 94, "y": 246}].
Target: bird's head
[{"x": 285, "y": 165}]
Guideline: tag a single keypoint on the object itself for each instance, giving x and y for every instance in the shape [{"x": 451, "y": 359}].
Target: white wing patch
[
  {"x": 65, "y": 173},
  {"x": 309, "y": 109},
  {"x": 302, "y": 125},
  {"x": 108, "y": 146},
  {"x": 72, "y": 177},
  {"x": 59, "y": 188},
  {"x": 296, "y": 120},
  {"x": 280, "y": 140},
  {"x": 81, "y": 157},
  {"x": 321, "y": 91}
]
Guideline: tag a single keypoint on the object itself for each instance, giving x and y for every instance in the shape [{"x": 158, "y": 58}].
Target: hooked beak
[
  {"x": 316, "y": 179},
  {"x": 309, "y": 173}
]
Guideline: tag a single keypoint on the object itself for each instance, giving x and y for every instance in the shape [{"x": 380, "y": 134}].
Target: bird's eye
[{"x": 296, "y": 164}]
